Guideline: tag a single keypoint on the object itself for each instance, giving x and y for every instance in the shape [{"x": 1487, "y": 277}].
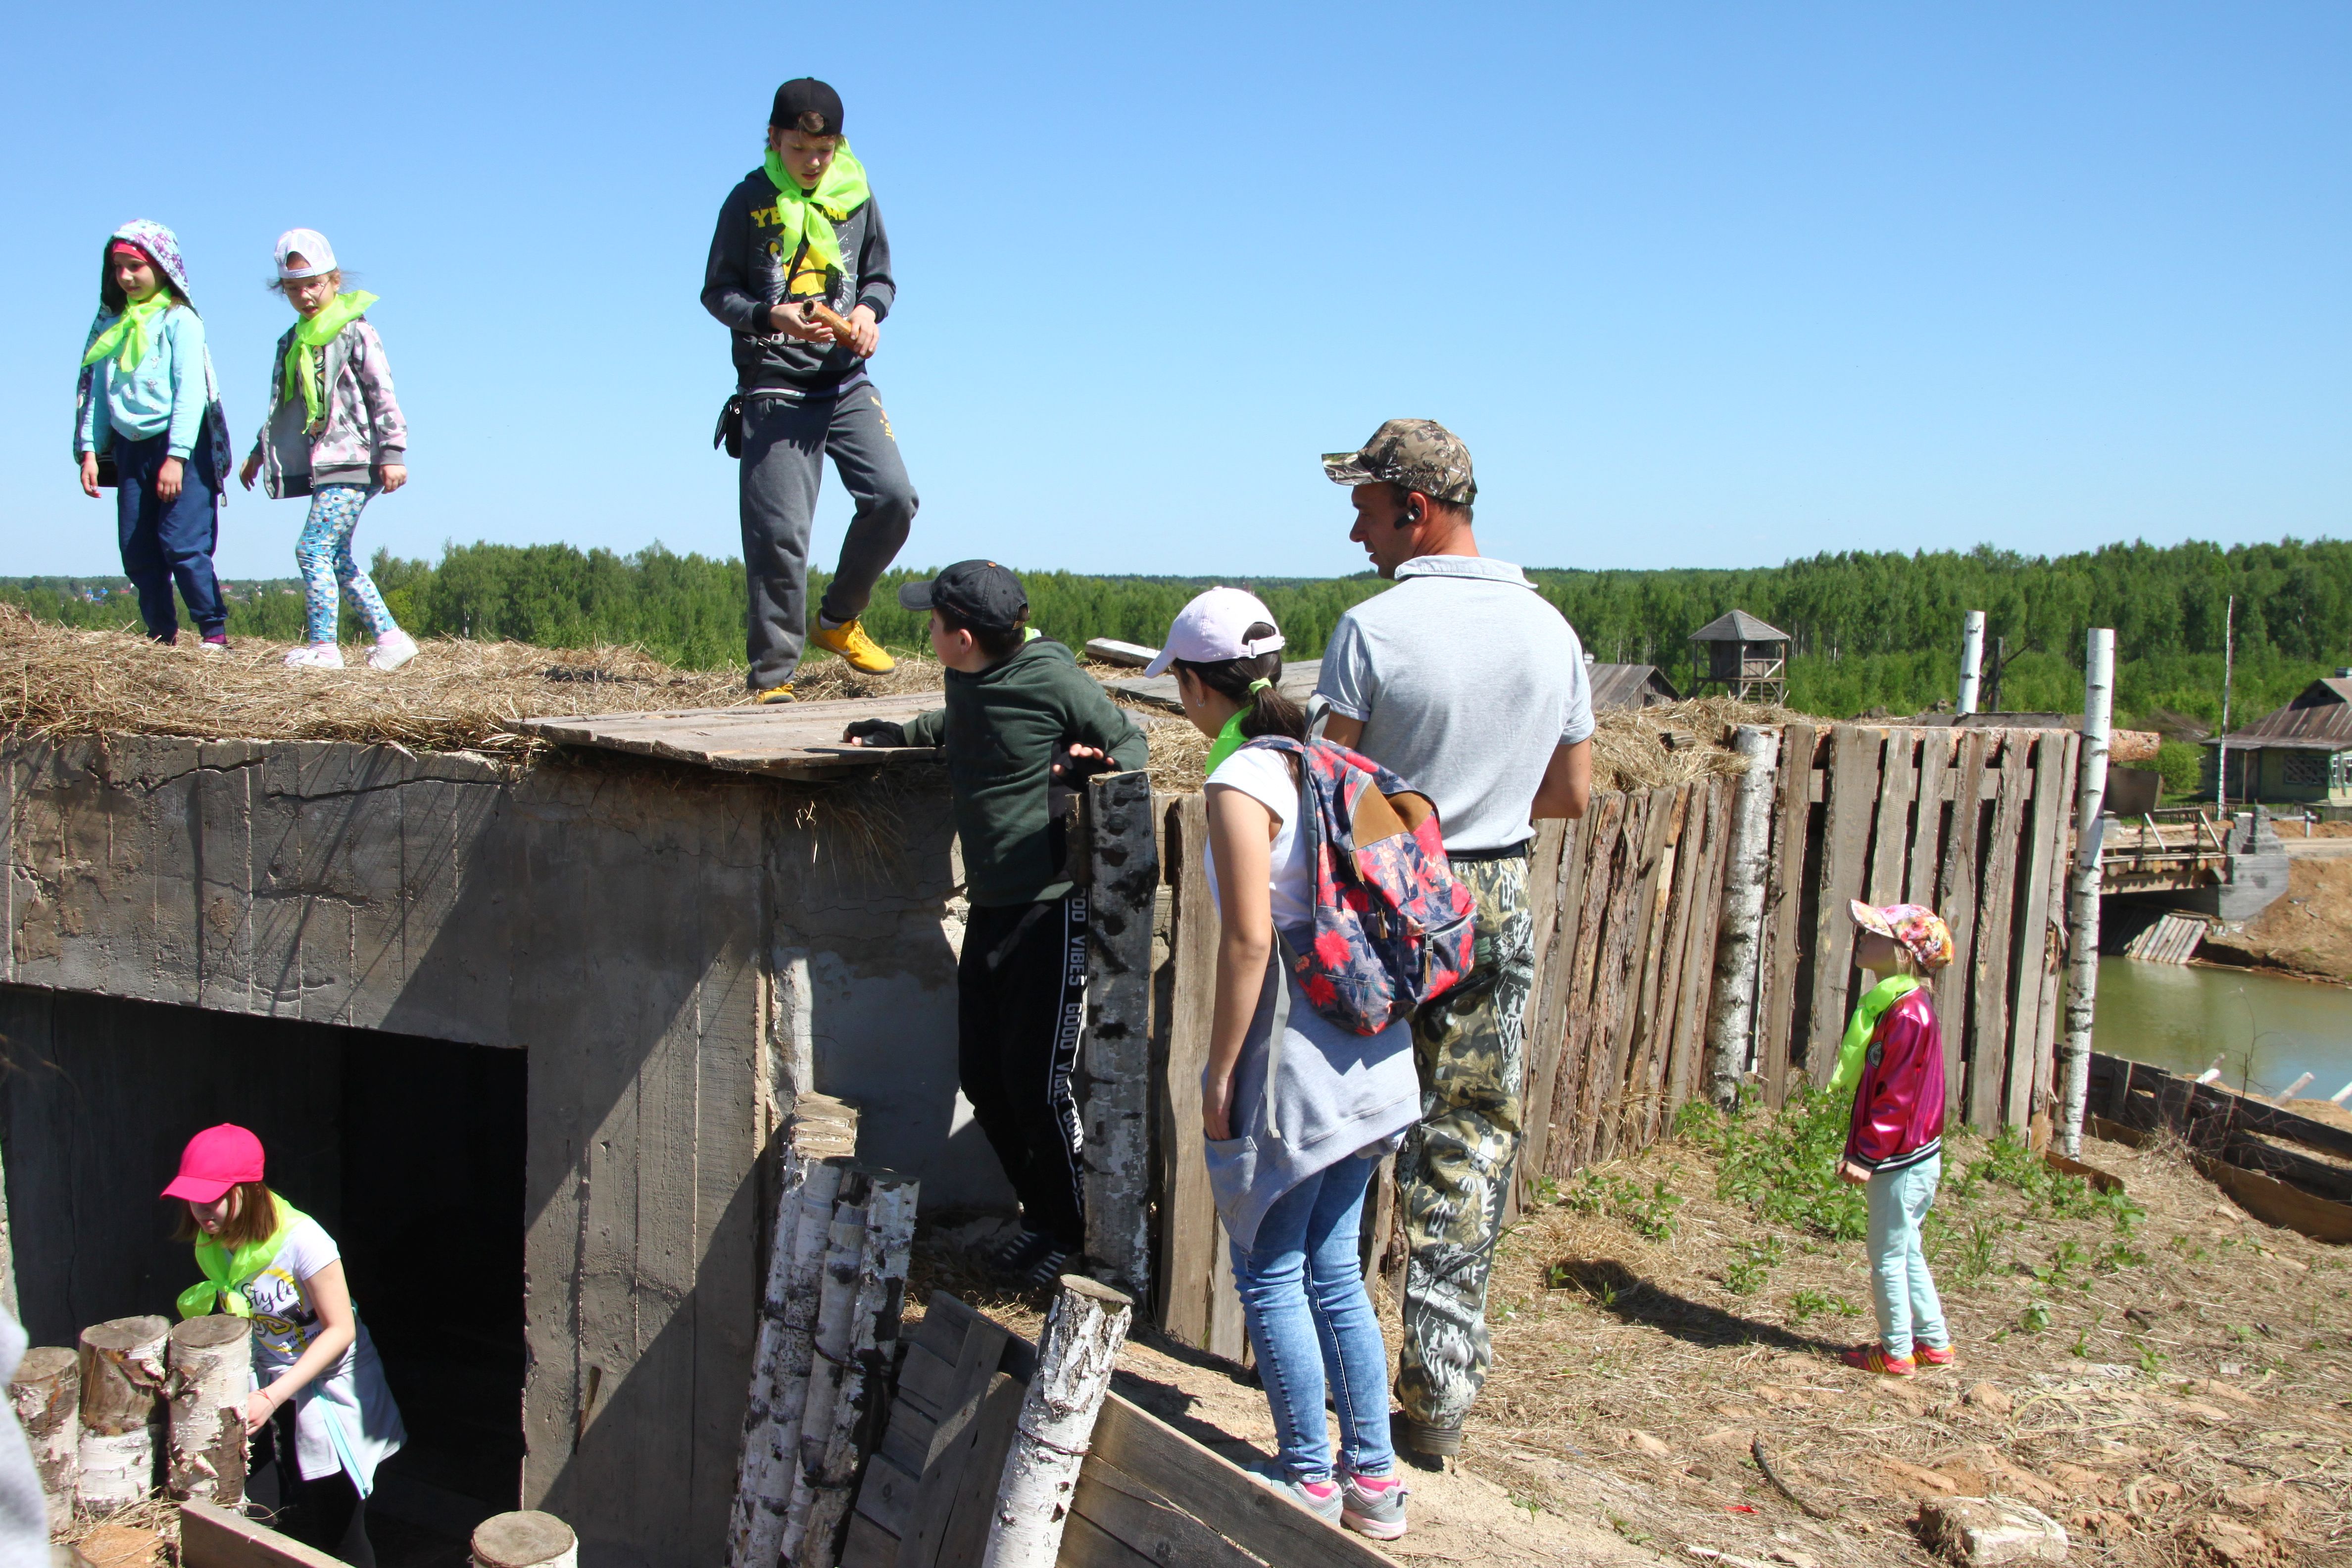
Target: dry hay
[
  {"x": 455, "y": 695},
  {"x": 1631, "y": 747}
]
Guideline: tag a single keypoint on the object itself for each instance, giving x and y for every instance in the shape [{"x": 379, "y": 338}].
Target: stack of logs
[
  {"x": 143, "y": 1404},
  {"x": 828, "y": 1340}
]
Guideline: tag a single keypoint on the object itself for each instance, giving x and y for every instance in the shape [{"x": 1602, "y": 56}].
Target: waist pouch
[{"x": 729, "y": 433}]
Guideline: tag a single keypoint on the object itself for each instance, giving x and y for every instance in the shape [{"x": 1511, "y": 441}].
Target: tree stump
[
  {"x": 46, "y": 1396},
  {"x": 212, "y": 1373},
  {"x": 1075, "y": 1357},
  {"x": 528, "y": 1540},
  {"x": 122, "y": 1382}
]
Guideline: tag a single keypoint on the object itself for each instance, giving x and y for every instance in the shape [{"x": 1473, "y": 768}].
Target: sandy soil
[{"x": 2178, "y": 1392}]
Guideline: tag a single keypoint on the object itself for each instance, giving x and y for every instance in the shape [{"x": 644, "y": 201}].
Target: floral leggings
[{"x": 324, "y": 554}]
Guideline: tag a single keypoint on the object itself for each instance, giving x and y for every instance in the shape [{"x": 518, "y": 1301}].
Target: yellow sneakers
[
  {"x": 850, "y": 641},
  {"x": 773, "y": 694}
]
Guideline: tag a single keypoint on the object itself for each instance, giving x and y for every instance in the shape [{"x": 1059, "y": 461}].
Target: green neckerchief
[
  {"x": 227, "y": 1273},
  {"x": 840, "y": 191},
  {"x": 130, "y": 333},
  {"x": 313, "y": 333},
  {"x": 1230, "y": 739},
  {"x": 1864, "y": 1023}
]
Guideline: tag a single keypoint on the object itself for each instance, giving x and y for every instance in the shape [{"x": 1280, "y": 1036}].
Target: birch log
[
  {"x": 2083, "y": 939},
  {"x": 211, "y": 1372},
  {"x": 1075, "y": 1357},
  {"x": 122, "y": 1380},
  {"x": 1740, "y": 931},
  {"x": 526, "y": 1540},
  {"x": 46, "y": 1395},
  {"x": 1124, "y": 845},
  {"x": 889, "y": 1248},
  {"x": 816, "y": 1151},
  {"x": 836, "y": 1327}
]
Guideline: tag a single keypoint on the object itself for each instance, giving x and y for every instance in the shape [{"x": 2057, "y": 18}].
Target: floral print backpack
[{"x": 1392, "y": 926}]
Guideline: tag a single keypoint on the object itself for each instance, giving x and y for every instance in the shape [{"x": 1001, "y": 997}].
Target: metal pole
[
  {"x": 1971, "y": 660},
  {"x": 2083, "y": 938}
]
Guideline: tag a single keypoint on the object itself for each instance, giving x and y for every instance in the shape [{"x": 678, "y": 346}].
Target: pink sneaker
[
  {"x": 1373, "y": 1505},
  {"x": 1933, "y": 1356},
  {"x": 1873, "y": 1358}
]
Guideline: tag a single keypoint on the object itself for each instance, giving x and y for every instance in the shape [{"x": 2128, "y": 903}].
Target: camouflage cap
[{"x": 1418, "y": 454}]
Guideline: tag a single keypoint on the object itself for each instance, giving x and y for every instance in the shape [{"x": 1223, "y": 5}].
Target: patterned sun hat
[{"x": 1920, "y": 930}]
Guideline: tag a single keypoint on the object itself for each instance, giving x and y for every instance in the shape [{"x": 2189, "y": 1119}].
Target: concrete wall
[{"x": 672, "y": 948}]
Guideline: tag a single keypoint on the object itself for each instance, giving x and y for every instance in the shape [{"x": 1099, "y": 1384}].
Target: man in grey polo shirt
[{"x": 1464, "y": 680}]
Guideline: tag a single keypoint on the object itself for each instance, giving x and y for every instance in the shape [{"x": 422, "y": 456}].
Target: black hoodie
[{"x": 746, "y": 275}]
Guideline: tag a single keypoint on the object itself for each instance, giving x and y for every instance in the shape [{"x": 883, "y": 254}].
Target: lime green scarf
[
  {"x": 313, "y": 333},
  {"x": 227, "y": 1273},
  {"x": 131, "y": 335},
  {"x": 811, "y": 214},
  {"x": 1230, "y": 739},
  {"x": 1864, "y": 1023}
]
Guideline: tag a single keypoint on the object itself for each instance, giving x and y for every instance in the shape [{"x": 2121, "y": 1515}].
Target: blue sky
[{"x": 1700, "y": 284}]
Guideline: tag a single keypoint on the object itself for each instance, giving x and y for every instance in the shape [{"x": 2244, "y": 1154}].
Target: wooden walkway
[{"x": 789, "y": 739}]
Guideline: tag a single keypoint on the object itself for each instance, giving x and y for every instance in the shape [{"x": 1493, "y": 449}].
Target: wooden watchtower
[{"x": 1744, "y": 656}]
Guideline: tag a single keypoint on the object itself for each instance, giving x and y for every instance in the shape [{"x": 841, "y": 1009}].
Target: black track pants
[{"x": 1020, "y": 1004}]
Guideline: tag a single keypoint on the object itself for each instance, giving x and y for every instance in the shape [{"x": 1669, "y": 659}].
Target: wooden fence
[{"x": 1628, "y": 902}]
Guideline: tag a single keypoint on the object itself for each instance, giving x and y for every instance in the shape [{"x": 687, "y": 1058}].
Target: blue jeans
[
  {"x": 1302, "y": 1290},
  {"x": 164, "y": 541},
  {"x": 1900, "y": 1286}
]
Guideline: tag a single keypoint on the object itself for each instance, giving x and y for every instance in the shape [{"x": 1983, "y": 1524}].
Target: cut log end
[
  {"x": 1096, "y": 1290},
  {"x": 526, "y": 1540},
  {"x": 125, "y": 1335},
  {"x": 210, "y": 1332}
]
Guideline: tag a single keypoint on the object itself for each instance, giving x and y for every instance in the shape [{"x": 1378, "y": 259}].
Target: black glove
[{"x": 877, "y": 732}]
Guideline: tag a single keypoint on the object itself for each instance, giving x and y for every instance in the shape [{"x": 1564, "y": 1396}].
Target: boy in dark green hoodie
[{"x": 1018, "y": 711}]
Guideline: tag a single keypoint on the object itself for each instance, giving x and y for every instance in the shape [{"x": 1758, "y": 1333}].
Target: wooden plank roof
[
  {"x": 2318, "y": 719},
  {"x": 790, "y": 739},
  {"x": 1738, "y": 625}
]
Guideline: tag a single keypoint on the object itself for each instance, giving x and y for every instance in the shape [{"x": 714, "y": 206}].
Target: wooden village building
[
  {"x": 2298, "y": 754},
  {"x": 1747, "y": 657},
  {"x": 523, "y": 1037}
]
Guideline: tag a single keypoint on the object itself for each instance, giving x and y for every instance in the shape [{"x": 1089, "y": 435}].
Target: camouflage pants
[{"x": 1455, "y": 1169}]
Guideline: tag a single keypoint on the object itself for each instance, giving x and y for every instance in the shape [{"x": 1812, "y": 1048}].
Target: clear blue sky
[{"x": 1700, "y": 284}]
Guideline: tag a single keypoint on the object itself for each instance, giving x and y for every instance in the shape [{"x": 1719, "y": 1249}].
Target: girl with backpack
[
  {"x": 322, "y": 1418},
  {"x": 1297, "y": 1109}
]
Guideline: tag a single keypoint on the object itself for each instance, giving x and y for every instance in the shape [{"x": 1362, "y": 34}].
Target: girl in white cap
[
  {"x": 1296, "y": 1110},
  {"x": 333, "y": 433}
]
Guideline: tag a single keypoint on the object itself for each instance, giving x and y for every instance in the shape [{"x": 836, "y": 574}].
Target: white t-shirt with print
[
  {"x": 1266, "y": 777},
  {"x": 285, "y": 1319}
]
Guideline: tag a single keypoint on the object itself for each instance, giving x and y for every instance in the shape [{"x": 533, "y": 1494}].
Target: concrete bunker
[{"x": 604, "y": 977}]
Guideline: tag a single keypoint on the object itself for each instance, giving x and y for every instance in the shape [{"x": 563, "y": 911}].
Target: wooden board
[
  {"x": 1697, "y": 999},
  {"x": 792, "y": 739},
  {"x": 1936, "y": 750},
  {"x": 1669, "y": 805},
  {"x": 1890, "y": 843},
  {"x": 1597, "y": 1097},
  {"x": 2028, "y": 963},
  {"x": 1548, "y": 1019},
  {"x": 2053, "y": 978},
  {"x": 1298, "y": 683},
  {"x": 1543, "y": 928},
  {"x": 1188, "y": 1213},
  {"x": 1853, "y": 784},
  {"x": 1988, "y": 1037},
  {"x": 957, "y": 1401},
  {"x": 1145, "y": 1525},
  {"x": 1776, "y": 966},
  {"x": 1957, "y": 884},
  {"x": 214, "y": 1537},
  {"x": 1569, "y": 1135}
]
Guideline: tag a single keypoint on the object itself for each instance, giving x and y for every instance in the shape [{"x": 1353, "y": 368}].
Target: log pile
[{"x": 828, "y": 1340}]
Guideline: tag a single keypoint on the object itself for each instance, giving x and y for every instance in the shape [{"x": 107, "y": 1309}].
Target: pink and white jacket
[
  {"x": 363, "y": 428},
  {"x": 1899, "y": 1106}
]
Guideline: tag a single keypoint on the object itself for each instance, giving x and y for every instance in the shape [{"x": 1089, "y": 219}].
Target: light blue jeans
[
  {"x": 1900, "y": 1286},
  {"x": 1302, "y": 1290}
]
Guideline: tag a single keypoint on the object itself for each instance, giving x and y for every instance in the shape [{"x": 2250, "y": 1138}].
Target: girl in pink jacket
[{"x": 1894, "y": 1055}]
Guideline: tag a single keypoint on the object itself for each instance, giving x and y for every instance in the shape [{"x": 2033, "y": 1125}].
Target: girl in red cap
[
  {"x": 322, "y": 1411},
  {"x": 1893, "y": 1058}
]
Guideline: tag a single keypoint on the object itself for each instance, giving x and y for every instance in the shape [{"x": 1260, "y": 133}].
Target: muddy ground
[
  {"x": 2308, "y": 932},
  {"x": 2168, "y": 1377}
]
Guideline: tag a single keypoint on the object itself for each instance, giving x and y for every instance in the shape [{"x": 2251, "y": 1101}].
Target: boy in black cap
[
  {"x": 802, "y": 233},
  {"x": 1019, "y": 711}
]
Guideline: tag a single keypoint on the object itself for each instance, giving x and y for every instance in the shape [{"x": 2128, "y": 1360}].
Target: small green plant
[
  {"x": 1784, "y": 1167},
  {"x": 2187, "y": 1248},
  {"x": 2064, "y": 1266},
  {"x": 1745, "y": 1276},
  {"x": 2035, "y": 1318},
  {"x": 2117, "y": 1256},
  {"x": 2151, "y": 1360},
  {"x": 1546, "y": 1190},
  {"x": 1978, "y": 1245},
  {"x": 2082, "y": 1345},
  {"x": 1808, "y": 1302},
  {"x": 1652, "y": 1213}
]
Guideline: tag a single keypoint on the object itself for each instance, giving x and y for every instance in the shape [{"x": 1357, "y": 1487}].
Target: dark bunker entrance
[{"x": 409, "y": 1151}]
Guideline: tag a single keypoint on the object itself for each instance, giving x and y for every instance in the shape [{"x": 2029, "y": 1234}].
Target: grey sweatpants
[{"x": 785, "y": 448}]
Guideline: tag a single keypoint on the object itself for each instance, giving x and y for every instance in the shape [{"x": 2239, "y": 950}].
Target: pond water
[{"x": 2179, "y": 1016}]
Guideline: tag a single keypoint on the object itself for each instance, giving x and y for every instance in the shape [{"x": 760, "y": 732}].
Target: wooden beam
[
  {"x": 1957, "y": 884},
  {"x": 1853, "y": 786},
  {"x": 1123, "y": 845},
  {"x": 1996, "y": 919},
  {"x": 1890, "y": 842},
  {"x": 1567, "y": 1136},
  {"x": 1188, "y": 1215},
  {"x": 1775, "y": 973},
  {"x": 211, "y": 1536},
  {"x": 1556, "y": 959},
  {"x": 1936, "y": 752}
]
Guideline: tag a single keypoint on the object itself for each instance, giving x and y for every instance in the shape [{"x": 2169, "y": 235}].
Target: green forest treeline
[{"x": 1871, "y": 631}]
